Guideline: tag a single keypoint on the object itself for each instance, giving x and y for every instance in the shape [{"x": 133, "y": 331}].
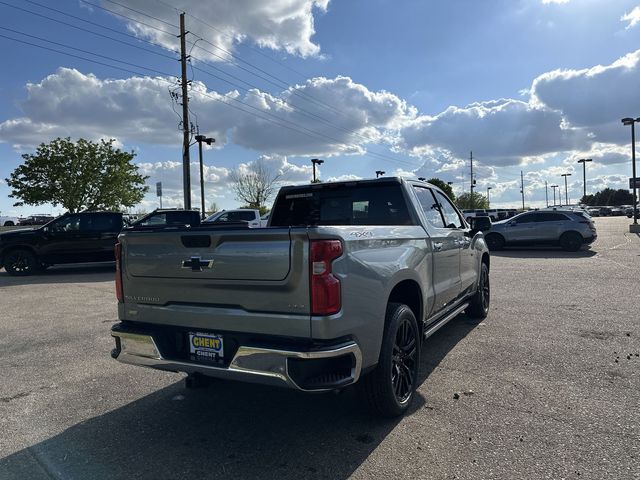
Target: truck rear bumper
[{"x": 312, "y": 371}]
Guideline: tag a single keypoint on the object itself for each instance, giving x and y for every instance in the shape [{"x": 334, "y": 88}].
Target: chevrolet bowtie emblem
[{"x": 196, "y": 264}]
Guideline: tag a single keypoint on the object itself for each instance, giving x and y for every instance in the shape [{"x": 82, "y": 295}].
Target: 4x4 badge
[{"x": 196, "y": 264}]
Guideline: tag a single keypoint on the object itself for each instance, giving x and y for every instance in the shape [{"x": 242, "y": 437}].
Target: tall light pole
[
  {"x": 554, "y": 194},
  {"x": 631, "y": 121},
  {"x": 316, "y": 161},
  {"x": 584, "y": 161},
  {"x": 566, "y": 189},
  {"x": 200, "y": 139},
  {"x": 379, "y": 173},
  {"x": 488, "y": 201},
  {"x": 546, "y": 193}
]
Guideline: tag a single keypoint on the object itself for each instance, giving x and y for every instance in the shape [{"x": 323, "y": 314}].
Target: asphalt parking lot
[{"x": 547, "y": 387}]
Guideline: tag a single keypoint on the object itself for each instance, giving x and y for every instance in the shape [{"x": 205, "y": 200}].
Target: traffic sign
[
  {"x": 632, "y": 181},
  {"x": 158, "y": 189}
]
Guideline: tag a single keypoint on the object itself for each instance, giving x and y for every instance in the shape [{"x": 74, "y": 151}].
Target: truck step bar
[{"x": 441, "y": 323}]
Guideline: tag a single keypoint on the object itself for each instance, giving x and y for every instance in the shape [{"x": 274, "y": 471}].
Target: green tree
[
  {"x": 609, "y": 197},
  {"x": 78, "y": 176},
  {"x": 479, "y": 201},
  {"x": 444, "y": 186}
]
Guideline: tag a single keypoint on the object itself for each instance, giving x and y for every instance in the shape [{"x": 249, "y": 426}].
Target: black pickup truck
[{"x": 71, "y": 238}]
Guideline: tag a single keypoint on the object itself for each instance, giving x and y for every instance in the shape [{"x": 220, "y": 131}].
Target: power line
[
  {"x": 87, "y": 30},
  {"x": 129, "y": 18}
]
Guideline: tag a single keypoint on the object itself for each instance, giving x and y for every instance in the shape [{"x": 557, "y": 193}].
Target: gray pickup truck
[{"x": 341, "y": 287}]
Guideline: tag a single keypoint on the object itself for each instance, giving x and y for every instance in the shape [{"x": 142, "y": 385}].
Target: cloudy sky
[{"x": 409, "y": 87}]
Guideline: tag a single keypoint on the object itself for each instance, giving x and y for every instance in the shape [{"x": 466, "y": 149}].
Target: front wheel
[
  {"x": 20, "y": 262},
  {"x": 479, "y": 304},
  {"x": 390, "y": 388},
  {"x": 495, "y": 241}
]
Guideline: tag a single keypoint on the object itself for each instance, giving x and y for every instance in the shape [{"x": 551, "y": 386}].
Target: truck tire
[
  {"x": 571, "y": 241},
  {"x": 20, "y": 262},
  {"x": 479, "y": 304},
  {"x": 389, "y": 389},
  {"x": 495, "y": 241},
  {"x": 8, "y": 223}
]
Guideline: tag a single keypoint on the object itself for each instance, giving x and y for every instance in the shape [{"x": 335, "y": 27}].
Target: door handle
[{"x": 437, "y": 246}]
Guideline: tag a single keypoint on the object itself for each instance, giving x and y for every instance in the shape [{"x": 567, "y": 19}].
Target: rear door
[
  {"x": 446, "y": 247},
  {"x": 522, "y": 228},
  {"x": 105, "y": 228},
  {"x": 550, "y": 225}
]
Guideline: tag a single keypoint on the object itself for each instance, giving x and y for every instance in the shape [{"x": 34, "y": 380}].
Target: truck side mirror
[{"x": 480, "y": 224}]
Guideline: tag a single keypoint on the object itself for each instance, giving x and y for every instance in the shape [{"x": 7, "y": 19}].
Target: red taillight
[
  {"x": 325, "y": 288},
  {"x": 119, "y": 290}
]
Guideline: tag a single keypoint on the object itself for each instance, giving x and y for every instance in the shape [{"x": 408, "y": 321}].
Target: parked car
[
  {"x": 605, "y": 211},
  {"x": 245, "y": 215},
  {"x": 594, "y": 212},
  {"x": 493, "y": 214},
  {"x": 569, "y": 229},
  {"x": 169, "y": 216},
  {"x": 35, "y": 220},
  {"x": 629, "y": 212},
  {"x": 342, "y": 288},
  {"x": 469, "y": 214},
  {"x": 8, "y": 221},
  {"x": 617, "y": 212},
  {"x": 71, "y": 238}
]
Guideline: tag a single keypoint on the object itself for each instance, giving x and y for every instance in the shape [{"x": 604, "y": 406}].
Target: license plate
[{"x": 206, "y": 346}]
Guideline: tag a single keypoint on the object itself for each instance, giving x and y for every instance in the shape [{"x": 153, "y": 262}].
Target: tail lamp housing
[
  {"x": 119, "y": 289},
  {"x": 325, "y": 287}
]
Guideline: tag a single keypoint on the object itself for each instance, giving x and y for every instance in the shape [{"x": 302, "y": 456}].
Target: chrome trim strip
[{"x": 254, "y": 364}]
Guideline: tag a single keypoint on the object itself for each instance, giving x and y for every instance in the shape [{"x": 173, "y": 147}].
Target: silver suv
[{"x": 569, "y": 229}]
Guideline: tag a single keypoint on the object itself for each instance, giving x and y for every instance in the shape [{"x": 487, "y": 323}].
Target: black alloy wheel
[
  {"x": 495, "y": 241},
  {"x": 390, "y": 387},
  {"x": 20, "y": 262},
  {"x": 404, "y": 361},
  {"x": 571, "y": 241},
  {"x": 481, "y": 301}
]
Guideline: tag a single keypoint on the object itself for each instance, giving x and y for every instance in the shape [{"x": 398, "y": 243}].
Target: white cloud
[
  {"x": 547, "y": 2},
  {"x": 286, "y": 25},
  {"x": 595, "y": 98},
  {"x": 633, "y": 17},
  {"x": 138, "y": 110},
  {"x": 500, "y": 131}
]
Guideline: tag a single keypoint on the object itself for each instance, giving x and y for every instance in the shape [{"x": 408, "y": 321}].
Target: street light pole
[
  {"x": 632, "y": 122},
  {"x": 584, "y": 161},
  {"x": 566, "y": 189},
  {"x": 316, "y": 161},
  {"x": 554, "y": 194},
  {"x": 488, "y": 201},
  {"x": 208, "y": 141}
]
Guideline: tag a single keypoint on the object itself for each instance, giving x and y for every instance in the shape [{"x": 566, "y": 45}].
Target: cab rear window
[{"x": 341, "y": 204}]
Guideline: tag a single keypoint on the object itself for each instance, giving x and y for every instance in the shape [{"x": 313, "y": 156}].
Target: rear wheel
[
  {"x": 495, "y": 241},
  {"x": 571, "y": 241},
  {"x": 389, "y": 389},
  {"x": 20, "y": 262},
  {"x": 479, "y": 304},
  {"x": 8, "y": 224}
]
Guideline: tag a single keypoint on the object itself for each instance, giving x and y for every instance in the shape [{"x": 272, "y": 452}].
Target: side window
[
  {"x": 70, "y": 223},
  {"x": 157, "y": 219},
  {"x": 430, "y": 207},
  {"x": 104, "y": 223},
  {"x": 223, "y": 218},
  {"x": 246, "y": 216},
  {"x": 551, "y": 217},
  {"x": 451, "y": 217},
  {"x": 528, "y": 218}
]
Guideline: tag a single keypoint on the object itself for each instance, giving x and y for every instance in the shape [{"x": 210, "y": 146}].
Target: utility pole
[
  {"x": 488, "y": 199},
  {"x": 471, "y": 182},
  {"x": 522, "y": 187},
  {"x": 546, "y": 193},
  {"x": 186, "y": 124},
  {"x": 554, "y": 194}
]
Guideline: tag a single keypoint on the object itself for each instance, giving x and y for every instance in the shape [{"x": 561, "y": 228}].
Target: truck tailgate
[{"x": 249, "y": 280}]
